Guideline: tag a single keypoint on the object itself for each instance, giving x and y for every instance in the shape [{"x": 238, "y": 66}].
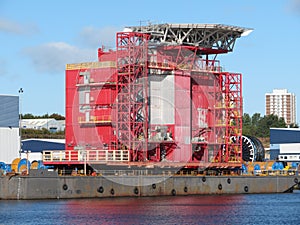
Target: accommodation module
[{"x": 161, "y": 96}]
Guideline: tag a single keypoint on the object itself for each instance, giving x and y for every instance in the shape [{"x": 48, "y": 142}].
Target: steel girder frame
[
  {"x": 132, "y": 94},
  {"x": 227, "y": 118},
  {"x": 232, "y": 92},
  {"x": 218, "y": 141},
  {"x": 212, "y": 38}
]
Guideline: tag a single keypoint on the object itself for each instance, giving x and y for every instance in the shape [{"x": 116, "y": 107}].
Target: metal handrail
[{"x": 103, "y": 155}]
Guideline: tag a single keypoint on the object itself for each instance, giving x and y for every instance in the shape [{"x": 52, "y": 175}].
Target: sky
[{"x": 38, "y": 39}]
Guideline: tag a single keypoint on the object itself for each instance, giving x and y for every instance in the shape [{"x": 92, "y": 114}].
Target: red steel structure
[
  {"x": 160, "y": 97},
  {"x": 132, "y": 104}
]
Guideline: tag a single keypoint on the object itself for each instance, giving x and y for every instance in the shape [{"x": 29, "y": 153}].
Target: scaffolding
[{"x": 132, "y": 112}]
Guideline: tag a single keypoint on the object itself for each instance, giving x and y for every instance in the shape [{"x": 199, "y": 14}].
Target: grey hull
[{"x": 51, "y": 186}]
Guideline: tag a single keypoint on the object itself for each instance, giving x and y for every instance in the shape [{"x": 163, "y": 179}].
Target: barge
[
  {"x": 156, "y": 116},
  {"x": 43, "y": 184}
]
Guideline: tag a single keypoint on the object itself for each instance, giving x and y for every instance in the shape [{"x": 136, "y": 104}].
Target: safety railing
[
  {"x": 199, "y": 65},
  {"x": 86, "y": 155},
  {"x": 104, "y": 119}
]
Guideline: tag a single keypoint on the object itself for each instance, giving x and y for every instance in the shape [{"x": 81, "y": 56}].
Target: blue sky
[{"x": 38, "y": 38}]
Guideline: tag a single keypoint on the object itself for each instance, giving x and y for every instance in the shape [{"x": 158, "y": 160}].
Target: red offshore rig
[
  {"x": 159, "y": 99},
  {"x": 156, "y": 116}
]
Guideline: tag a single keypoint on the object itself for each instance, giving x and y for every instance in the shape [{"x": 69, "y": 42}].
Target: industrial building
[
  {"x": 9, "y": 128},
  {"x": 50, "y": 124},
  {"x": 33, "y": 148},
  {"x": 10, "y": 133},
  {"x": 283, "y": 104},
  {"x": 285, "y": 144},
  {"x": 160, "y": 97}
]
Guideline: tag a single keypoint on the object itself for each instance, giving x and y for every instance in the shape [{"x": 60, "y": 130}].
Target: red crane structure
[{"x": 159, "y": 99}]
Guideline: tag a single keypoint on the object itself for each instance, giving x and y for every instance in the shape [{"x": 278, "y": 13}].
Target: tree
[
  {"x": 267, "y": 122},
  {"x": 28, "y": 116},
  {"x": 57, "y": 116},
  {"x": 260, "y": 126},
  {"x": 247, "y": 125},
  {"x": 43, "y": 133},
  {"x": 255, "y": 118},
  {"x": 45, "y": 116}
]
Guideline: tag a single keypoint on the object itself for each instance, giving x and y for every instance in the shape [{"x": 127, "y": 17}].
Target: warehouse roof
[
  {"x": 39, "y": 145},
  {"x": 36, "y": 122}
]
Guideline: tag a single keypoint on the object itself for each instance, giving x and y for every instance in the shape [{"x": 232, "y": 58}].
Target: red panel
[
  {"x": 89, "y": 117},
  {"x": 206, "y": 104},
  {"x": 71, "y": 77}
]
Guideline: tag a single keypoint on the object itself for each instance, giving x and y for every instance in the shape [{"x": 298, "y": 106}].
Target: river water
[{"x": 208, "y": 209}]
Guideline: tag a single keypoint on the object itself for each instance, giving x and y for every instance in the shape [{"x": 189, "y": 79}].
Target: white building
[
  {"x": 9, "y": 128},
  {"x": 282, "y": 104},
  {"x": 50, "y": 124}
]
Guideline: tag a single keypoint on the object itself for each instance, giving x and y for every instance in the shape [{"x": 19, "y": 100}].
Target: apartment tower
[{"x": 282, "y": 104}]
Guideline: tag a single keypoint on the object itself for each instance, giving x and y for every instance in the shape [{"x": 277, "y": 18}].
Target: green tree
[
  {"x": 43, "y": 133},
  {"x": 57, "y": 116},
  {"x": 272, "y": 121},
  {"x": 28, "y": 116},
  {"x": 255, "y": 118},
  {"x": 247, "y": 125},
  {"x": 260, "y": 126},
  {"x": 45, "y": 116}
]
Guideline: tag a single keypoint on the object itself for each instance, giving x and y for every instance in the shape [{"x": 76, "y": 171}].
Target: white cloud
[
  {"x": 9, "y": 26},
  {"x": 53, "y": 57},
  {"x": 96, "y": 37}
]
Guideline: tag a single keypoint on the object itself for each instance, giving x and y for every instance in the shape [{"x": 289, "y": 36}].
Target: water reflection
[
  {"x": 158, "y": 210},
  {"x": 223, "y": 209}
]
